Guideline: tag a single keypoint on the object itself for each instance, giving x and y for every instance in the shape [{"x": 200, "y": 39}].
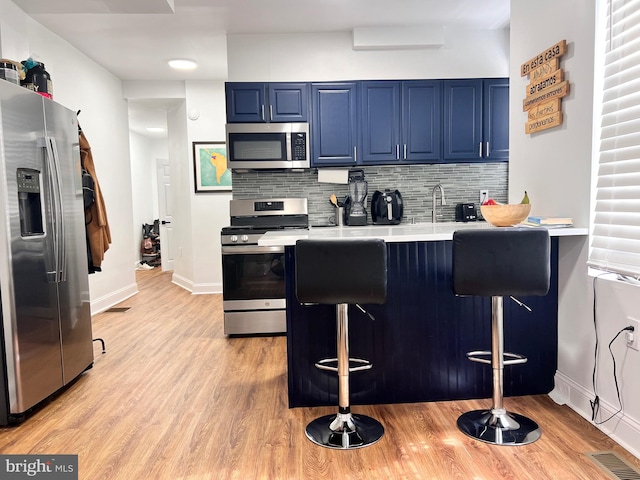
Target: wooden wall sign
[{"x": 547, "y": 86}]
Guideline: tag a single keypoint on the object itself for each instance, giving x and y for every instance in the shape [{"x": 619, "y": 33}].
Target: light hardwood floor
[{"x": 173, "y": 398}]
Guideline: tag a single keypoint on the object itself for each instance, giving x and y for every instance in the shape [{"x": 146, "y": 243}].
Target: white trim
[
  {"x": 207, "y": 288},
  {"x": 623, "y": 429},
  {"x": 182, "y": 282},
  {"x": 196, "y": 288},
  {"x": 113, "y": 298}
]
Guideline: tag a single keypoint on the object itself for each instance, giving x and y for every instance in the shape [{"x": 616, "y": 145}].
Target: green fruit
[{"x": 526, "y": 198}]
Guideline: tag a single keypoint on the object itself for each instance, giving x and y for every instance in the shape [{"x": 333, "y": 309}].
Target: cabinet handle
[
  {"x": 480, "y": 150},
  {"x": 262, "y": 112},
  {"x": 397, "y": 152},
  {"x": 355, "y": 154},
  {"x": 487, "y": 150},
  {"x": 405, "y": 151},
  {"x": 270, "y": 112}
]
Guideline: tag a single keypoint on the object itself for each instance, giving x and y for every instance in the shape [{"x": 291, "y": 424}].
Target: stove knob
[
  {"x": 234, "y": 238},
  {"x": 244, "y": 238}
]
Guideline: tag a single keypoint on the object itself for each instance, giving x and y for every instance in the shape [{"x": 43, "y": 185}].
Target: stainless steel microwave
[{"x": 268, "y": 145}]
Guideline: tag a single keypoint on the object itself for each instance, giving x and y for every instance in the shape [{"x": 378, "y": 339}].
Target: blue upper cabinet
[
  {"x": 463, "y": 119},
  {"x": 421, "y": 120},
  {"x": 476, "y": 120},
  {"x": 380, "y": 121},
  {"x": 288, "y": 102},
  {"x": 250, "y": 102},
  {"x": 495, "y": 121},
  {"x": 400, "y": 121},
  {"x": 334, "y": 124},
  {"x": 246, "y": 102}
]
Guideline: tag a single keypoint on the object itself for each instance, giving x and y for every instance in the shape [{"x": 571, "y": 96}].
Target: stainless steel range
[{"x": 253, "y": 277}]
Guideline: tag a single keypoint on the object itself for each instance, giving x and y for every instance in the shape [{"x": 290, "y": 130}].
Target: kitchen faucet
[{"x": 433, "y": 201}]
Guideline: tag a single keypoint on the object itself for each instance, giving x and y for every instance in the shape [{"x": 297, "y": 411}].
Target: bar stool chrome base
[
  {"x": 499, "y": 427},
  {"x": 344, "y": 431}
]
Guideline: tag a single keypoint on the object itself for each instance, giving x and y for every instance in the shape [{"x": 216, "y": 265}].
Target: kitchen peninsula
[{"x": 419, "y": 338}]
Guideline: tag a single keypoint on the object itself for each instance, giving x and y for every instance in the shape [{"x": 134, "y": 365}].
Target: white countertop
[{"x": 419, "y": 232}]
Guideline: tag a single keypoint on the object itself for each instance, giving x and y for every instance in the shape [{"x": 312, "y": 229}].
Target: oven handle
[{"x": 245, "y": 249}]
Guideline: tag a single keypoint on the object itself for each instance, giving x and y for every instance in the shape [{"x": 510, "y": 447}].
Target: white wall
[
  {"x": 210, "y": 210},
  {"x": 81, "y": 84},
  {"x": 182, "y": 197},
  {"x": 555, "y": 167},
  {"x": 330, "y": 57}
]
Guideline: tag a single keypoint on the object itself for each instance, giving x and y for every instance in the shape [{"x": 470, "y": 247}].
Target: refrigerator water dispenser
[{"x": 29, "y": 201}]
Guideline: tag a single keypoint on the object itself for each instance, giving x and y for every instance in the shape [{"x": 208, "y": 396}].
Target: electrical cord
[{"x": 595, "y": 403}]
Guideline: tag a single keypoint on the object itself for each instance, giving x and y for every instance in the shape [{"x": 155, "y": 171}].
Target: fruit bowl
[{"x": 505, "y": 215}]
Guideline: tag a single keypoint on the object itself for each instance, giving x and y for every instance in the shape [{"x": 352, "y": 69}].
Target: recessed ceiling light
[
  {"x": 183, "y": 64},
  {"x": 155, "y": 129}
]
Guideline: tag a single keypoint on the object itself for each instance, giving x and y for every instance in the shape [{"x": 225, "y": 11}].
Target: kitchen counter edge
[{"x": 420, "y": 232}]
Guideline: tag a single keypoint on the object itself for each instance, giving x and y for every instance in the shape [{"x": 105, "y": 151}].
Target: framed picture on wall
[{"x": 210, "y": 167}]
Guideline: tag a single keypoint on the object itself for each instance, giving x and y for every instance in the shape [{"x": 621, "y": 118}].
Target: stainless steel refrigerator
[{"x": 46, "y": 339}]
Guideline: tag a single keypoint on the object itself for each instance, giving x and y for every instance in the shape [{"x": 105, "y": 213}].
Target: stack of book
[{"x": 548, "y": 222}]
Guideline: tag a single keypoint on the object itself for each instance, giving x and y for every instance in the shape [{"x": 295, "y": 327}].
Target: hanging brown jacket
[{"x": 98, "y": 233}]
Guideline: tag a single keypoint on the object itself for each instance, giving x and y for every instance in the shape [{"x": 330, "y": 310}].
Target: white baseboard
[
  {"x": 207, "y": 288},
  {"x": 104, "y": 303},
  {"x": 622, "y": 428},
  {"x": 182, "y": 282},
  {"x": 196, "y": 288}
]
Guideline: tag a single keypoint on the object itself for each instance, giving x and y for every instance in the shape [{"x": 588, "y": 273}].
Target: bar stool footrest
[
  {"x": 344, "y": 431},
  {"x": 478, "y": 356},
  {"x": 499, "y": 427},
  {"x": 331, "y": 364}
]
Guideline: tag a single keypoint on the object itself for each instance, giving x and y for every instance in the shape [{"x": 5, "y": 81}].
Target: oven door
[{"x": 253, "y": 289}]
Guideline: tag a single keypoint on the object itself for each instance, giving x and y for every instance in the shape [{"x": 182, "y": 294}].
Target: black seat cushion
[
  {"x": 501, "y": 261},
  {"x": 341, "y": 271}
]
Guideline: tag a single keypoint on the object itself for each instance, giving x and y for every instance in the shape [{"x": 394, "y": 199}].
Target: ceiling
[{"x": 134, "y": 39}]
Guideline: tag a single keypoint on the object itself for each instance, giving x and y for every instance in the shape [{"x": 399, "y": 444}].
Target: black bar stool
[
  {"x": 342, "y": 272},
  {"x": 500, "y": 262}
]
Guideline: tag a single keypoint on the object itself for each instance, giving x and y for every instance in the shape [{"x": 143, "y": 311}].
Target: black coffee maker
[{"x": 354, "y": 211}]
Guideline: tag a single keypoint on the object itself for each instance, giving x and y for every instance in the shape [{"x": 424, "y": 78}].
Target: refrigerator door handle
[{"x": 58, "y": 213}]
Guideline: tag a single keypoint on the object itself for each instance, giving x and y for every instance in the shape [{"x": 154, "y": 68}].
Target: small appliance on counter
[
  {"x": 386, "y": 207},
  {"x": 354, "y": 211},
  {"x": 466, "y": 212}
]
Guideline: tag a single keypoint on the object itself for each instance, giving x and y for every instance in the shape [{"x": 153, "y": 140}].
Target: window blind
[{"x": 615, "y": 240}]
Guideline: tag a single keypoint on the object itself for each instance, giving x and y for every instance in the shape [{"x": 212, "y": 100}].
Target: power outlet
[
  {"x": 484, "y": 196},
  {"x": 635, "y": 344}
]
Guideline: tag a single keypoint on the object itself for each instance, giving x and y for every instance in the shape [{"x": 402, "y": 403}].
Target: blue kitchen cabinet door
[
  {"x": 245, "y": 102},
  {"x": 401, "y": 121},
  {"x": 463, "y": 120},
  {"x": 258, "y": 102},
  {"x": 334, "y": 124},
  {"x": 288, "y": 102},
  {"x": 380, "y": 122},
  {"x": 495, "y": 122},
  {"x": 421, "y": 121}
]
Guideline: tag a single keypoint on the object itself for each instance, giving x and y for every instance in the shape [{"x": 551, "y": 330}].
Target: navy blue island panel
[{"x": 419, "y": 338}]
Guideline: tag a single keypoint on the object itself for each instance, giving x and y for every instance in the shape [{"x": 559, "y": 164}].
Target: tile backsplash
[{"x": 462, "y": 183}]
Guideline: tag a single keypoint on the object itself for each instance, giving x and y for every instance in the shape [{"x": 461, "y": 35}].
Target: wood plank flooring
[{"x": 173, "y": 398}]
